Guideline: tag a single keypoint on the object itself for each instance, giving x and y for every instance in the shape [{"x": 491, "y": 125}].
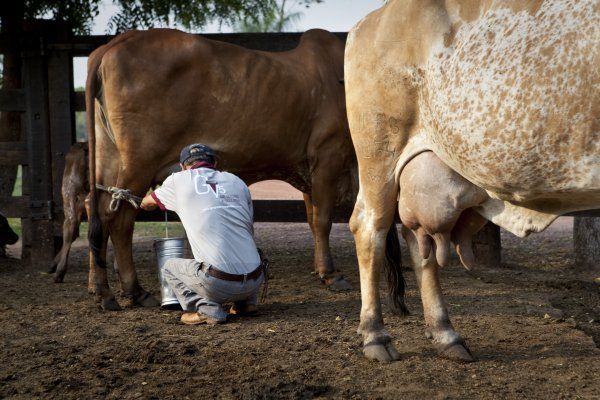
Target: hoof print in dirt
[
  {"x": 338, "y": 284},
  {"x": 109, "y": 305}
]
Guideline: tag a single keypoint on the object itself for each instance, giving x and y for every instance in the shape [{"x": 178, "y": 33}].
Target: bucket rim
[{"x": 160, "y": 240}]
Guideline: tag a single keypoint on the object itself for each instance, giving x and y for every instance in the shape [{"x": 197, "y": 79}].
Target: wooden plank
[
  {"x": 62, "y": 124},
  {"x": 79, "y": 101},
  {"x": 82, "y": 46},
  {"x": 586, "y": 238},
  {"x": 15, "y": 207},
  {"x": 279, "y": 210},
  {"x": 487, "y": 246},
  {"x": 13, "y": 153},
  {"x": 12, "y": 100},
  {"x": 585, "y": 213},
  {"x": 35, "y": 81},
  {"x": 264, "y": 211}
]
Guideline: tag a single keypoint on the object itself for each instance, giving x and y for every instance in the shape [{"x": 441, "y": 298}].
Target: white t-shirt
[{"x": 216, "y": 211}]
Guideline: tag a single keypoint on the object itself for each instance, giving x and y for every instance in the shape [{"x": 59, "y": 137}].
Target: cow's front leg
[
  {"x": 121, "y": 234},
  {"x": 370, "y": 227},
  {"x": 322, "y": 203},
  {"x": 439, "y": 329}
]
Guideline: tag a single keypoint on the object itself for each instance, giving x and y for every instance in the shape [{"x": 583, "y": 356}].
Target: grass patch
[
  {"x": 146, "y": 229},
  {"x": 18, "y": 189},
  {"x": 15, "y": 225},
  {"x": 142, "y": 229}
]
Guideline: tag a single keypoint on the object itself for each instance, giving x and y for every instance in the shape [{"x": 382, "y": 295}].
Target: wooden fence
[{"x": 48, "y": 104}]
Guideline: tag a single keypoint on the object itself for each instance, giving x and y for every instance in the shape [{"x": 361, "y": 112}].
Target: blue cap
[{"x": 197, "y": 152}]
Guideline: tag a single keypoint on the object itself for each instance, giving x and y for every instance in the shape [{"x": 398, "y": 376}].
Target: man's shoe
[
  {"x": 195, "y": 318},
  {"x": 244, "y": 310}
]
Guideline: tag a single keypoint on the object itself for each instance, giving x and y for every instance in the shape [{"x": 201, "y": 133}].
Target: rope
[{"x": 118, "y": 195}]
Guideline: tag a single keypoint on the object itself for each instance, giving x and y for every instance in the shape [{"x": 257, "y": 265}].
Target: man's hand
[{"x": 148, "y": 203}]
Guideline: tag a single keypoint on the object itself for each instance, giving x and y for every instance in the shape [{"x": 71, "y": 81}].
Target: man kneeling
[{"x": 215, "y": 209}]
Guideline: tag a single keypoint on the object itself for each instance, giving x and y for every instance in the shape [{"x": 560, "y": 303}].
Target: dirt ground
[{"x": 531, "y": 324}]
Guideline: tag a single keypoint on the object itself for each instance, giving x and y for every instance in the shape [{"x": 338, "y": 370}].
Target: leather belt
[{"x": 225, "y": 276}]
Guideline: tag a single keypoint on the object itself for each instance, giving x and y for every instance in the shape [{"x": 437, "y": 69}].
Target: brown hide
[
  {"x": 267, "y": 116},
  {"x": 74, "y": 190}
]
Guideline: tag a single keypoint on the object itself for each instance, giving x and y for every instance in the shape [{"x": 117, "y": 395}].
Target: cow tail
[
  {"x": 95, "y": 234},
  {"x": 393, "y": 269},
  {"x": 92, "y": 86}
]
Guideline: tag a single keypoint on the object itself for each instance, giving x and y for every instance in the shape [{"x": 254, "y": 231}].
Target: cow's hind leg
[
  {"x": 70, "y": 233},
  {"x": 435, "y": 208},
  {"x": 448, "y": 343}
]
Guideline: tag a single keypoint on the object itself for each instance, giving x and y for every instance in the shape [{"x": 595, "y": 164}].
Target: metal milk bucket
[{"x": 166, "y": 249}]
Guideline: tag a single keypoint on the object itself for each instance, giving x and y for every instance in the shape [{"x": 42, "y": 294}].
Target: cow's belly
[{"x": 516, "y": 109}]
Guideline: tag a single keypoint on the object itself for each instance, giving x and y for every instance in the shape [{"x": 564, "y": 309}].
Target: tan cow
[
  {"x": 461, "y": 112},
  {"x": 267, "y": 115}
]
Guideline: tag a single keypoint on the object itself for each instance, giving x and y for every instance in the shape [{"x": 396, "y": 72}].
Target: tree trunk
[
  {"x": 586, "y": 237},
  {"x": 487, "y": 246}
]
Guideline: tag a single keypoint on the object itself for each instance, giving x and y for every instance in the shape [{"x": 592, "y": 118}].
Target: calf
[{"x": 75, "y": 188}]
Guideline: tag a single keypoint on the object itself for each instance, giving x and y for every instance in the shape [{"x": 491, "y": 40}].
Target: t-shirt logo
[{"x": 204, "y": 186}]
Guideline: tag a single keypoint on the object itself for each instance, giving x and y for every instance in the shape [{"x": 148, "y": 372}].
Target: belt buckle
[{"x": 245, "y": 279}]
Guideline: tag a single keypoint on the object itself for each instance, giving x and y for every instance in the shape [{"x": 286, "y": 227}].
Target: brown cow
[
  {"x": 267, "y": 115},
  {"x": 74, "y": 190}
]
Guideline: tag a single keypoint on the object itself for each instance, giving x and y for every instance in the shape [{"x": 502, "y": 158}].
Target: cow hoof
[
  {"x": 457, "y": 351},
  {"x": 58, "y": 279},
  {"x": 110, "y": 304},
  {"x": 147, "y": 300},
  {"x": 381, "y": 352},
  {"x": 338, "y": 284}
]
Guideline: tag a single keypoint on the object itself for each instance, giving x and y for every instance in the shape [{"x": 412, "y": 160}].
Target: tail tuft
[{"x": 393, "y": 268}]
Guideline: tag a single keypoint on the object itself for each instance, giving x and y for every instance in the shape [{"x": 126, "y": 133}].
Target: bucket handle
[{"x": 166, "y": 226}]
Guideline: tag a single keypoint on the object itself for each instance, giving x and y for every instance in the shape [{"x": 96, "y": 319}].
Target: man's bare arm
[{"x": 148, "y": 203}]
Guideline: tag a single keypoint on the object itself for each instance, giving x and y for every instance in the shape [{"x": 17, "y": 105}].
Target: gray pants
[{"x": 199, "y": 292}]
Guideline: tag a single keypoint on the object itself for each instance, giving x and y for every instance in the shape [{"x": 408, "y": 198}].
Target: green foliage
[
  {"x": 131, "y": 14},
  {"x": 79, "y": 13},
  {"x": 189, "y": 14},
  {"x": 277, "y": 19}
]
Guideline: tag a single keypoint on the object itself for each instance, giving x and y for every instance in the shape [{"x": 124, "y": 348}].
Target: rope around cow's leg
[{"x": 119, "y": 194}]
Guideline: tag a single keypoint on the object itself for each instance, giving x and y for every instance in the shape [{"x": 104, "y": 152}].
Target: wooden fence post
[
  {"x": 62, "y": 119},
  {"x": 487, "y": 246},
  {"x": 586, "y": 237},
  {"x": 40, "y": 228}
]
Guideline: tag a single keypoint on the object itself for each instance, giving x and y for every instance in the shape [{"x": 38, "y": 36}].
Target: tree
[
  {"x": 80, "y": 14},
  {"x": 278, "y": 18}
]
